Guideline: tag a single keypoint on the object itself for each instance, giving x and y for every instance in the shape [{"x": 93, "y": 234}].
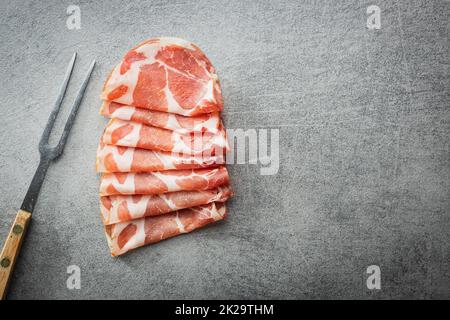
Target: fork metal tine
[
  {"x": 56, "y": 152},
  {"x": 43, "y": 143}
]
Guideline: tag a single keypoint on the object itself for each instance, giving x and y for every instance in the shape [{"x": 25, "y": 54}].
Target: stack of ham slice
[{"x": 162, "y": 154}]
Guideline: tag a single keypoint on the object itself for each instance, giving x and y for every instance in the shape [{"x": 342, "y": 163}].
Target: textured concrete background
[{"x": 364, "y": 143}]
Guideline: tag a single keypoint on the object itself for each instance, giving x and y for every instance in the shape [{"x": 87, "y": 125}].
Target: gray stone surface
[{"x": 364, "y": 144}]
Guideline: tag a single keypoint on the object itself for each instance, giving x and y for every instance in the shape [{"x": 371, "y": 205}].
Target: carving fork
[{"x": 17, "y": 232}]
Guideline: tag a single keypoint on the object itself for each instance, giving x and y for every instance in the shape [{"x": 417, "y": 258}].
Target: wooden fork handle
[{"x": 11, "y": 249}]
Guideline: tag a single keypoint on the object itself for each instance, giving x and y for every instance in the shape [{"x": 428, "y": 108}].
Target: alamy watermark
[
  {"x": 73, "y": 21},
  {"x": 258, "y": 144},
  {"x": 245, "y": 146},
  {"x": 374, "y": 18},
  {"x": 374, "y": 279},
  {"x": 74, "y": 279}
]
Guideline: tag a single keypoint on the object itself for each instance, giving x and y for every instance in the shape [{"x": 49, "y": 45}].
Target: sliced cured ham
[
  {"x": 208, "y": 122},
  {"x": 162, "y": 154},
  {"x": 112, "y": 158},
  {"x": 134, "y": 134},
  {"x": 117, "y": 209},
  {"x": 162, "y": 182},
  {"x": 165, "y": 74},
  {"x": 126, "y": 236}
]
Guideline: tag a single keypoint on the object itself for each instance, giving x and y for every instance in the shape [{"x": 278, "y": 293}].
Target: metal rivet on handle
[
  {"x": 17, "y": 229},
  {"x": 5, "y": 262}
]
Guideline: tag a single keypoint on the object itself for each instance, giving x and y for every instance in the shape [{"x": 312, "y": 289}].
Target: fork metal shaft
[{"x": 35, "y": 186}]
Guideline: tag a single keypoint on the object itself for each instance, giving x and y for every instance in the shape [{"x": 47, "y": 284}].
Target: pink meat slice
[
  {"x": 165, "y": 74},
  {"x": 134, "y": 134},
  {"x": 162, "y": 181},
  {"x": 125, "y": 236},
  {"x": 117, "y": 209},
  {"x": 112, "y": 158},
  {"x": 208, "y": 122}
]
